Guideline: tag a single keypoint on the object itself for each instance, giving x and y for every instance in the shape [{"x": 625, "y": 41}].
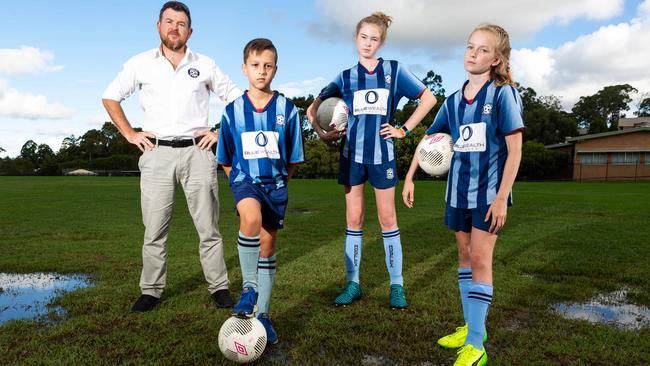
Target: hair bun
[{"x": 383, "y": 18}]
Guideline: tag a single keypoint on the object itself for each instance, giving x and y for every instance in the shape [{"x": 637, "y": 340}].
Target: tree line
[{"x": 546, "y": 123}]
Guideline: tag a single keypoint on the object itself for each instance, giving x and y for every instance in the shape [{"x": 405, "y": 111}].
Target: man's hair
[
  {"x": 178, "y": 6},
  {"x": 259, "y": 45}
]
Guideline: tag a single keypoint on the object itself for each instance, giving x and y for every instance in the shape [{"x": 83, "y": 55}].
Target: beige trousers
[{"x": 196, "y": 170}]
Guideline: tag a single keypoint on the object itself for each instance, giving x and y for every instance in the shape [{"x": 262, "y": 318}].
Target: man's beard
[{"x": 174, "y": 46}]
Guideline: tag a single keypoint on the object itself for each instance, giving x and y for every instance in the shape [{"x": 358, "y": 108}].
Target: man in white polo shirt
[{"x": 175, "y": 85}]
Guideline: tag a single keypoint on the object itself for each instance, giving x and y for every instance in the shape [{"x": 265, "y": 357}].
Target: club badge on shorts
[{"x": 389, "y": 173}]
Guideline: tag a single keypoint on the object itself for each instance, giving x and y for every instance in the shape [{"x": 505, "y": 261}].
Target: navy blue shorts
[
  {"x": 273, "y": 202},
  {"x": 380, "y": 176},
  {"x": 462, "y": 219}
]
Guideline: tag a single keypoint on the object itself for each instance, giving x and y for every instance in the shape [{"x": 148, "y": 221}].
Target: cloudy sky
[{"x": 56, "y": 58}]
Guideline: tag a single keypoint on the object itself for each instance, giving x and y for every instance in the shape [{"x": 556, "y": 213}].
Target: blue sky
[{"x": 56, "y": 58}]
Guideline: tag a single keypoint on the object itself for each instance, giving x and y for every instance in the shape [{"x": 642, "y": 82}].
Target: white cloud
[
  {"x": 26, "y": 60},
  {"x": 302, "y": 88},
  {"x": 17, "y": 104},
  {"x": 613, "y": 54},
  {"x": 442, "y": 24}
]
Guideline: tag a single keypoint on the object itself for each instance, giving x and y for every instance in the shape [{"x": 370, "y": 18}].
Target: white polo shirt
[{"x": 175, "y": 102}]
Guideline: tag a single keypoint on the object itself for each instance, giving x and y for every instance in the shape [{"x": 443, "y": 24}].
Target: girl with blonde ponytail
[
  {"x": 372, "y": 90},
  {"x": 484, "y": 119}
]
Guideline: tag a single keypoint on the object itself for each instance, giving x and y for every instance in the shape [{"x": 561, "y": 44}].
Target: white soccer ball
[
  {"x": 242, "y": 340},
  {"x": 434, "y": 154},
  {"x": 333, "y": 114}
]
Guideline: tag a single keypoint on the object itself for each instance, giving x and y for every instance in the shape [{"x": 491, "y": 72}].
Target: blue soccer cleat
[
  {"x": 246, "y": 306},
  {"x": 271, "y": 335}
]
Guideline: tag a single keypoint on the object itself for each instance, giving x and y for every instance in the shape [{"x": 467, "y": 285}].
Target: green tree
[
  {"x": 537, "y": 162},
  {"x": 2, "y": 150},
  {"x": 302, "y": 103},
  {"x": 600, "y": 112},
  {"x": 643, "y": 107},
  {"x": 29, "y": 152},
  {"x": 545, "y": 120}
]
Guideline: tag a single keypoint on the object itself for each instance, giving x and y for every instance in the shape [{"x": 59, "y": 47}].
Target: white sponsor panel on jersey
[
  {"x": 370, "y": 101},
  {"x": 260, "y": 144},
  {"x": 472, "y": 138}
]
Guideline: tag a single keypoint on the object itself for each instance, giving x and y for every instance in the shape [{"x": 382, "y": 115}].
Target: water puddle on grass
[
  {"x": 26, "y": 295},
  {"x": 611, "y": 308}
]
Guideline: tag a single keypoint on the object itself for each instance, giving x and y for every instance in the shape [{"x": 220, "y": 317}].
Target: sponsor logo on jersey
[
  {"x": 260, "y": 144},
  {"x": 472, "y": 138},
  {"x": 370, "y": 101}
]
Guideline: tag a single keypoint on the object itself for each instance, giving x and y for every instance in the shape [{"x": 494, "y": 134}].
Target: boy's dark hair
[
  {"x": 178, "y": 6},
  {"x": 259, "y": 45}
]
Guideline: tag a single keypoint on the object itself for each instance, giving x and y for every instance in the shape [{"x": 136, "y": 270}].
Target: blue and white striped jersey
[
  {"x": 372, "y": 98},
  {"x": 258, "y": 144},
  {"x": 478, "y": 130}
]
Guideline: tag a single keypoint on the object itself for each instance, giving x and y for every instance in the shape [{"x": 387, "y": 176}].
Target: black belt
[{"x": 176, "y": 142}]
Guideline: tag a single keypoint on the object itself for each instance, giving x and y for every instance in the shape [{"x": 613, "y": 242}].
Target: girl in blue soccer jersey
[
  {"x": 484, "y": 119},
  {"x": 372, "y": 89}
]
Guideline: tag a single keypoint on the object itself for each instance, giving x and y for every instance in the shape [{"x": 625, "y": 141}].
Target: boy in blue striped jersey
[
  {"x": 485, "y": 121},
  {"x": 260, "y": 143},
  {"x": 372, "y": 90}
]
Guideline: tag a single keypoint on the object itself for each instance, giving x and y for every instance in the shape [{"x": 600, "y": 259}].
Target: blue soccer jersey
[
  {"x": 258, "y": 144},
  {"x": 478, "y": 130},
  {"x": 372, "y": 98}
]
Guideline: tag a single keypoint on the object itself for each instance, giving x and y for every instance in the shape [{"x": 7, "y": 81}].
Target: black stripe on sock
[
  {"x": 480, "y": 294},
  {"x": 249, "y": 245},
  {"x": 390, "y": 235},
  {"x": 480, "y": 299},
  {"x": 353, "y": 233},
  {"x": 265, "y": 267},
  {"x": 249, "y": 240}
]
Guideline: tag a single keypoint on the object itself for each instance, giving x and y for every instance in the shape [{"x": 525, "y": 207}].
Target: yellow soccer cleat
[
  {"x": 457, "y": 338},
  {"x": 470, "y": 356}
]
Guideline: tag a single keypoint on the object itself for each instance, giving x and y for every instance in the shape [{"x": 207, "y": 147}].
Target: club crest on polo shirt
[
  {"x": 487, "y": 109},
  {"x": 193, "y": 72},
  {"x": 279, "y": 120},
  {"x": 390, "y": 173},
  {"x": 387, "y": 79}
]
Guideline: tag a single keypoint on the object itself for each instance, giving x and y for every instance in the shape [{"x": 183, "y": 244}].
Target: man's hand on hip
[
  {"x": 209, "y": 139},
  {"x": 141, "y": 140}
]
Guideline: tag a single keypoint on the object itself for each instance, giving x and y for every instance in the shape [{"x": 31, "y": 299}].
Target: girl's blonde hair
[
  {"x": 379, "y": 19},
  {"x": 501, "y": 72}
]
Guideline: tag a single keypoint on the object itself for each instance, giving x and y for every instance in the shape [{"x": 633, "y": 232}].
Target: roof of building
[
  {"x": 560, "y": 145},
  {"x": 608, "y": 134},
  {"x": 631, "y": 122}
]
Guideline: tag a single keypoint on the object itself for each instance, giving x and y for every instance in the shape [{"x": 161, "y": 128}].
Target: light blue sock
[
  {"x": 464, "y": 282},
  {"x": 248, "y": 248},
  {"x": 353, "y": 239},
  {"x": 265, "y": 275},
  {"x": 479, "y": 300},
  {"x": 393, "y": 252}
]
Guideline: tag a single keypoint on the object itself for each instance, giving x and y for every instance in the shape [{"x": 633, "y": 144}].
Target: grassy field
[{"x": 562, "y": 242}]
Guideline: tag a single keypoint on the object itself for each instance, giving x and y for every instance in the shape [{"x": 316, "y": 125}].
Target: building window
[
  {"x": 625, "y": 158},
  {"x": 647, "y": 158},
  {"x": 593, "y": 158}
]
